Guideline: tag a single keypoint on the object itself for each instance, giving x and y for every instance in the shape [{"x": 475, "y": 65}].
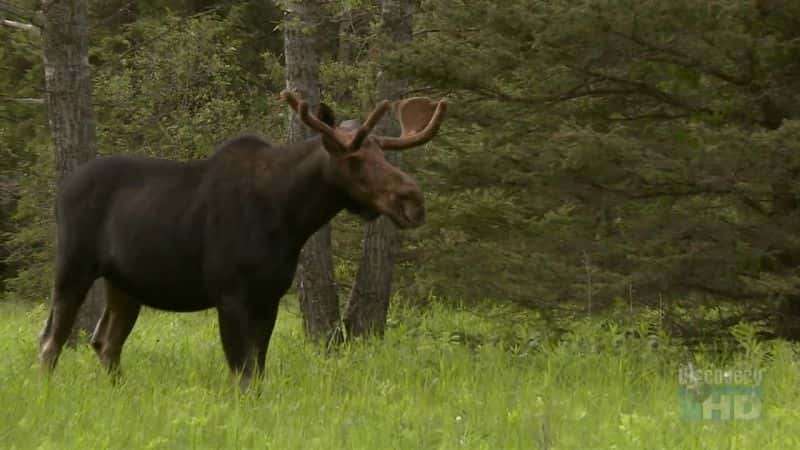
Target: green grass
[{"x": 443, "y": 379}]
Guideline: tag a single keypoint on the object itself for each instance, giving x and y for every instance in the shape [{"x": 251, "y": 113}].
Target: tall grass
[{"x": 440, "y": 379}]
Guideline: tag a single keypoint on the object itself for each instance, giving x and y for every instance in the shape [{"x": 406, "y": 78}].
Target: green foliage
[
  {"x": 593, "y": 151},
  {"x": 652, "y": 145},
  {"x": 30, "y": 243},
  {"x": 179, "y": 95},
  {"x": 448, "y": 378},
  {"x": 21, "y": 76}
]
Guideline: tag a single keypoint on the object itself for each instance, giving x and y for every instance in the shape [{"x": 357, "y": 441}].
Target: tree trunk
[
  {"x": 368, "y": 305},
  {"x": 65, "y": 41},
  {"x": 317, "y": 289},
  {"x": 354, "y": 27}
]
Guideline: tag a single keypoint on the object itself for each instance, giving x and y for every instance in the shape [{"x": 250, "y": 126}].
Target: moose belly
[
  {"x": 163, "y": 281},
  {"x": 167, "y": 293}
]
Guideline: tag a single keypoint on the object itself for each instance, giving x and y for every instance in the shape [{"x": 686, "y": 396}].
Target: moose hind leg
[
  {"x": 115, "y": 326},
  {"x": 68, "y": 296}
]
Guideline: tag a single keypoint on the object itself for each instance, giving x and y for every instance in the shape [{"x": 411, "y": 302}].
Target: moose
[{"x": 223, "y": 232}]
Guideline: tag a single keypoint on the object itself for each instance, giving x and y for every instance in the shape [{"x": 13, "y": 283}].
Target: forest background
[{"x": 598, "y": 157}]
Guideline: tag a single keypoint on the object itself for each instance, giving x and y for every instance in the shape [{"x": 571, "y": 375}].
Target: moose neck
[{"x": 314, "y": 197}]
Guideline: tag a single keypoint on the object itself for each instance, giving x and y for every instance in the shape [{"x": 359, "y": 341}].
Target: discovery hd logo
[{"x": 720, "y": 394}]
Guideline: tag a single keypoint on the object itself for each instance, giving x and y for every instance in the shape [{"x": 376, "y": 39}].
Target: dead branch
[
  {"x": 8, "y": 10},
  {"x": 24, "y": 101},
  {"x": 21, "y": 26}
]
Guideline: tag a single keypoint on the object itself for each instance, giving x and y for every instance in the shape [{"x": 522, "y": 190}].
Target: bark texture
[
  {"x": 315, "y": 280},
  {"x": 65, "y": 42},
  {"x": 368, "y": 305}
]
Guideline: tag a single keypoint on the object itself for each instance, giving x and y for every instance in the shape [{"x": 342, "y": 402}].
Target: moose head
[{"x": 357, "y": 159}]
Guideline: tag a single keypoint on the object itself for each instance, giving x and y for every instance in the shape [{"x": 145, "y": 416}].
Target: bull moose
[{"x": 223, "y": 232}]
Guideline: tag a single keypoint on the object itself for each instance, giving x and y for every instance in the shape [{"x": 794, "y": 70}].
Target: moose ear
[
  {"x": 414, "y": 114},
  {"x": 326, "y": 115}
]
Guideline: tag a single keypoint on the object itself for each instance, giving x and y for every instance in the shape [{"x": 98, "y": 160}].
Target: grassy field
[{"x": 442, "y": 379}]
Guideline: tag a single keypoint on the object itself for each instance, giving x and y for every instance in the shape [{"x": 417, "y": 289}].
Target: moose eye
[{"x": 356, "y": 168}]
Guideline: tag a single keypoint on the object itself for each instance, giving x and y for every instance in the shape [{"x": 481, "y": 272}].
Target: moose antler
[
  {"x": 329, "y": 134},
  {"x": 301, "y": 108},
  {"x": 369, "y": 124},
  {"x": 419, "y": 123}
]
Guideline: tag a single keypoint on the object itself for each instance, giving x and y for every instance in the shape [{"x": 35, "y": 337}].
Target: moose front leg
[
  {"x": 267, "y": 325},
  {"x": 245, "y": 336}
]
